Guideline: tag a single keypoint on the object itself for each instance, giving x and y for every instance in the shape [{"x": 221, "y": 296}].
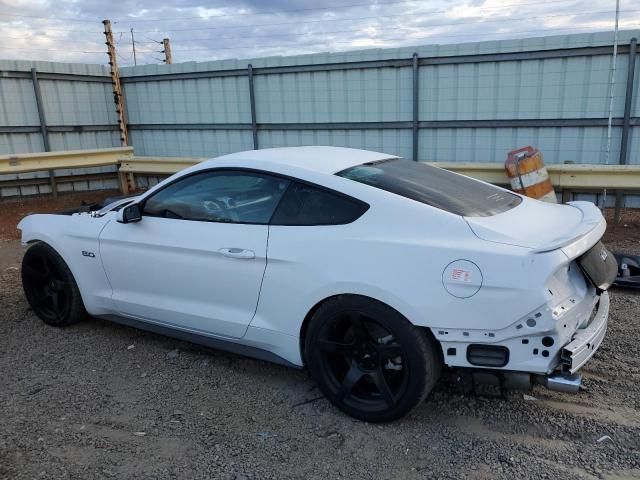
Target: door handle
[{"x": 240, "y": 253}]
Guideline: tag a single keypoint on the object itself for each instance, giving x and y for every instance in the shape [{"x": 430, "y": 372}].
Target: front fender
[{"x": 75, "y": 238}]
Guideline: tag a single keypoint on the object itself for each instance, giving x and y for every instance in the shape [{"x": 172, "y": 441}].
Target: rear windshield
[{"x": 434, "y": 186}]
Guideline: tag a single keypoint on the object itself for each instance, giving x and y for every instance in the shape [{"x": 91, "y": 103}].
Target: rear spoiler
[{"x": 588, "y": 233}]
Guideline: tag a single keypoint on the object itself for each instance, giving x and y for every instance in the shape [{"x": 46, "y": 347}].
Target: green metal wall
[
  {"x": 338, "y": 100},
  {"x": 568, "y": 88}
]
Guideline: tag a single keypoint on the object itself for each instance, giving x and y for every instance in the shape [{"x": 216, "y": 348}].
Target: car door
[
  {"x": 311, "y": 247},
  {"x": 196, "y": 259}
]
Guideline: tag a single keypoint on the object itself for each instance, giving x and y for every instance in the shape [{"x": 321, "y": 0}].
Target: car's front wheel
[
  {"x": 50, "y": 288},
  {"x": 369, "y": 360}
]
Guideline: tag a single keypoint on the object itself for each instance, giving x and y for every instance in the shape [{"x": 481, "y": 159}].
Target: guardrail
[
  {"x": 151, "y": 166},
  {"x": 158, "y": 165},
  {"x": 566, "y": 178},
  {"x": 51, "y": 161},
  {"x": 34, "y": 162}
]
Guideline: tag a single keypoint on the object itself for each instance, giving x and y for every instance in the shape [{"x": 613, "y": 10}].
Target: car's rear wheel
[
  {"x": 369, "y": 360},
  {"x": 50, "y": 288}
]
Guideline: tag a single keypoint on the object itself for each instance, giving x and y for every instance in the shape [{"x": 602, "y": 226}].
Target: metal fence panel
[
  {"x": 84, "y": 140},
  {"x": 381, "y": 94},
  {"x": 209, "y": 100},
  {"x": 82, "y": 98},
  {"x": 527, "y": 89},
  {"x": 78, "y": 103},
  {"x": 635, "y": 110},
  {"x": 544, "y": 83},
  {"x": 558, "y": 145},
  {"x": 189, "y": 143},
  {"x": 397, "y": 142},
  {"x": 550, "y": 92},
  {"x": 17, "y": 102},
  {"x": 20, "y": 143}
]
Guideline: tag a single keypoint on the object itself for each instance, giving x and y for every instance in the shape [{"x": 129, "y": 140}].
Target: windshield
[{"x": 434, "y": 186}]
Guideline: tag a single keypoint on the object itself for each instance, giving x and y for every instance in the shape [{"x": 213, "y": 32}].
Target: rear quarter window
[
  {"x": 308, "y": 205},
  {"x": 434, "y": 186}
]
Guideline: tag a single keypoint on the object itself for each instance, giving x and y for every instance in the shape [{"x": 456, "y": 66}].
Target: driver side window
[{"x": 219, "y": 196}]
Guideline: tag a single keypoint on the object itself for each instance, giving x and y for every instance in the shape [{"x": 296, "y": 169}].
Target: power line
[
  {"x": 140, "y": 50},
  {"x": 65, "y": 50},
  {"x": 146, "y": 50},
  {"x": 243, "y": 14},
  {"x": 205, "y": 18},
  {"x": 371, "y": 38},
  {"x": 33, "y": 35},
  {"x": 67, "y": 30},
  {"x": 147, "y": 56},
  {"x": 304, "y": 22},
  {"x": 592, "y": 29},
  {"x": 276, "y": 12},
  {"x": 264, "y": 12},
  {"x": 123, "y": 58},
  {"x": 469, "y": 22},
  {"x": 482, "y": 22},
  {"x": 410, "y": 39},
  {"x": 62, "y": 19},
  {"x": 133, "y": 46},
  {"x": 51, "y": 50}
]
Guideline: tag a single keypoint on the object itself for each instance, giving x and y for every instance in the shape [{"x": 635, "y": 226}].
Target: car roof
[{"x": 321, "y": 159}]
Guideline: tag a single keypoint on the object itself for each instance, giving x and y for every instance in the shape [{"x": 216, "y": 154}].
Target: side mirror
[{"x": 129, "y": 214}]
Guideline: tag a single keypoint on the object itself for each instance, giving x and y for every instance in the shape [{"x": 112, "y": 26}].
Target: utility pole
[
  {"x": 127, "y": 182},
  {"x": 133, "y": 44},
  {"x": 115, "y": 83},
  {"x": 168, "y": 58}
]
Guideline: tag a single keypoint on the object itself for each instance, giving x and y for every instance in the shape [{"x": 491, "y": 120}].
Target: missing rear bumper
[{"x": 587, "y": 340}]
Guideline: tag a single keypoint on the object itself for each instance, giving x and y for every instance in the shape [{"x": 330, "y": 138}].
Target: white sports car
[{"x": 372, "y": 271}]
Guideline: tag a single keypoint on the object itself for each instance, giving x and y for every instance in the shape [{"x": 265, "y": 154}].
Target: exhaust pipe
[
  {"x": 562, "y": 383},
  {"x": 469, "y": 379}
]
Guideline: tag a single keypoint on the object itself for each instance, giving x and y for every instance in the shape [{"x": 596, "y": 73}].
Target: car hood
[{"x": 542, "y": 226}]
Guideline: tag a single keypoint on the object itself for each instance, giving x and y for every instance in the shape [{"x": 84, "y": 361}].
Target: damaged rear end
[{"x": 577, "y": 306}]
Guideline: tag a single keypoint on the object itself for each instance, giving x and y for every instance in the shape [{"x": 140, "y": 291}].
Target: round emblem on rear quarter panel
[{"x": 462, "y": 278}]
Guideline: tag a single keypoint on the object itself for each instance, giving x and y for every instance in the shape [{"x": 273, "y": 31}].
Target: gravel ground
[{"x": 98, "y": 400}]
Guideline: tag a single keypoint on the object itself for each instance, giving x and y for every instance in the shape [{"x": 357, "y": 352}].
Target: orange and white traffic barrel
[{"x": 528, "y": 176}]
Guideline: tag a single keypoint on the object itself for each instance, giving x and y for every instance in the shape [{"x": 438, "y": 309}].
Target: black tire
[
  {"x": 50, "y": 288},
  {"x": 369, "y": 360}
]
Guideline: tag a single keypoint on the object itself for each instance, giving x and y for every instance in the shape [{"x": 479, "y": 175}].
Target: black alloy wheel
[
  {"x": 363, "y": 362},
  {"x": 369, "y": 360},
  {"x": 50, "y": 287}
]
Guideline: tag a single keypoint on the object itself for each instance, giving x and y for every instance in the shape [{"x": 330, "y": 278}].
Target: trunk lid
[{"x": 540, "y": 226}]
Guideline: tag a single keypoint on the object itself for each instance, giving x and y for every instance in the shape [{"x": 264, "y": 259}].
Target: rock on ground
[{"x": 79, "y": 403}]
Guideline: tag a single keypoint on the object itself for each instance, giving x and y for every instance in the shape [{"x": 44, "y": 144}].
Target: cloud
[{"x": 71, "y": 30}]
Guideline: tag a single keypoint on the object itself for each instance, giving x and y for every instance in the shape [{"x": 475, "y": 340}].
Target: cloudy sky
[{"x": 71, "y": 30}]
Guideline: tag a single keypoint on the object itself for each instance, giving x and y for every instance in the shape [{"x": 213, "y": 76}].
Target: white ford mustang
[{"x": 371, "y": 270}]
